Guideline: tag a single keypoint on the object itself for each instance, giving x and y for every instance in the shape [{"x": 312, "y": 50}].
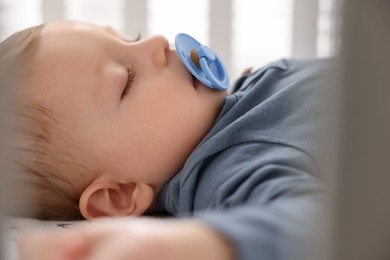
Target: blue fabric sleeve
[
  {"x": 282, "y": 228},
  {"x": 270, "y": 210}
]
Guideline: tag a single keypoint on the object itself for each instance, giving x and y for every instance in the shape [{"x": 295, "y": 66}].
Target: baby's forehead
[
  {"x": 68, "y": 30},
  {"x": 66, "y": 26},
  {"x": 61, "y": 39}
]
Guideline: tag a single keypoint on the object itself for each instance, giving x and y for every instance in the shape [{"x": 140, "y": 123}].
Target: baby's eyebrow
[
  {"x": 117, "y": 34},
  {"x": 110, "y": 30}
]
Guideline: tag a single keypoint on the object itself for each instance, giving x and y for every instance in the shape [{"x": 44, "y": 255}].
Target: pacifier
[{"x": 203, "y": 63}]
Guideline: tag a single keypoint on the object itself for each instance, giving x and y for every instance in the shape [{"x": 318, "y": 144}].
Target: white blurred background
[{"x": 245, "y": 33}]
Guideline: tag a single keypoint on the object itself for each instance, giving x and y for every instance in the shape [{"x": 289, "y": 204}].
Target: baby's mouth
[{"x": 195, "y": 82}]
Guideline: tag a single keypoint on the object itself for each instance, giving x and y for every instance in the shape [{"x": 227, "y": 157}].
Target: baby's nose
[{"x": 158, "y": 45}]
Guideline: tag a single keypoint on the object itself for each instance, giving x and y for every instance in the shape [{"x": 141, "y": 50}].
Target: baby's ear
[{"x": 108, "y": 198}]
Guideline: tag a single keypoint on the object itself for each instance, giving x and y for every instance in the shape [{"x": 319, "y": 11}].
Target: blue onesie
[{"x": 256, "y": 176}]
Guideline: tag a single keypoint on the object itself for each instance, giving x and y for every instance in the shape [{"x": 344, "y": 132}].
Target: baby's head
[{"x": 104, "y": 121}]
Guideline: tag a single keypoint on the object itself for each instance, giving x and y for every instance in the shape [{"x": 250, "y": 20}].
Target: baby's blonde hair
[{"x": 49, "y": 166}]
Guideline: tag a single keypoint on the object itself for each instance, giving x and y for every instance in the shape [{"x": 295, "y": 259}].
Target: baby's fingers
[
  {"x": 111, "y": 248},
  {"x": 125, "y": 247}
]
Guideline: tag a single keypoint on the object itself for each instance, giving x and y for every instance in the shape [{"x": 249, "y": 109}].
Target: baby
[{"x": 112, "y": 127}]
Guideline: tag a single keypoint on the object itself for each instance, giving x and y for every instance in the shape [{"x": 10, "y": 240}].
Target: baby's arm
[{"x": 141, "y": 238}]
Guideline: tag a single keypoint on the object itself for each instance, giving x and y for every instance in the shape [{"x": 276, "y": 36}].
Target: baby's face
[{"x": 148, "y": 133}]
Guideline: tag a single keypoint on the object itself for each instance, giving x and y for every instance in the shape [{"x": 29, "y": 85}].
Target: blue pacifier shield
[{"x": 203, "y": 63}]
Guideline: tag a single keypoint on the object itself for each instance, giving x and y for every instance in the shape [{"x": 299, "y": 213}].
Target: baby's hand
[{"x": 130, "y": 239}]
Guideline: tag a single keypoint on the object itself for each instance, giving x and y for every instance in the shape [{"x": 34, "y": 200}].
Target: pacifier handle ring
[{"x": 217, "y": 83}]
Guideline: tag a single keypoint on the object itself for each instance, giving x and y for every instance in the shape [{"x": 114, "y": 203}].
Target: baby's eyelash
[{"x": 130, "y": 79}]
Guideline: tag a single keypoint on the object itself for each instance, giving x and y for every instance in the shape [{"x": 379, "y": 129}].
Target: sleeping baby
[{"x": 110, "y": 127}]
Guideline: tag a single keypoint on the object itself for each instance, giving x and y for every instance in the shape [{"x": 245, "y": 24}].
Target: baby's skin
[{"x": 120, "y": 239}]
